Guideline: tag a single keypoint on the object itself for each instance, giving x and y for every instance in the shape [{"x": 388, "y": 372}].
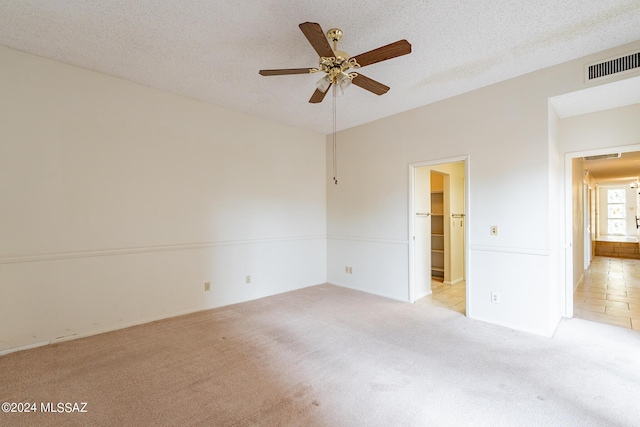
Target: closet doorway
[{"x": 438, "y": 229}]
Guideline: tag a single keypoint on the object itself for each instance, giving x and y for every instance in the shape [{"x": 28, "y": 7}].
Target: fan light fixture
[
  {"x": 323, "y": 84},
  {"x": 336, "y": 67},
  {"x": 342, "y": 82},
  {"x": 335, "y": 64}
]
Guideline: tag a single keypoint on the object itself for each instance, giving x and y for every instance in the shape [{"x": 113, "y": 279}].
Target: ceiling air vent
[
  {"x": 617, "y": 65},
  {"x": 602, "y": 157}
]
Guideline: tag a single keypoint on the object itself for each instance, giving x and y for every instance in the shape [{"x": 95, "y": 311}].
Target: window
[{"x": 616, "y": 211}]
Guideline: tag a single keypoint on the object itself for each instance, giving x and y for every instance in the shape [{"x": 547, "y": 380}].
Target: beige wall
[
  {"x": 618, "y": 127},
  {"x": 515, "y": 182},
  {"x": 118, "y": 202}
]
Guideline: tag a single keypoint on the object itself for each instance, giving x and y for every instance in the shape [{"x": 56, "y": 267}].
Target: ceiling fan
[{"x": 336, "y": 63}]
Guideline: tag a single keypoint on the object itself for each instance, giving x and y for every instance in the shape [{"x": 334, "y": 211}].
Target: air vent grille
[
  {"x": 613, "y": 66},
  {"x": 602, "y": 156}
]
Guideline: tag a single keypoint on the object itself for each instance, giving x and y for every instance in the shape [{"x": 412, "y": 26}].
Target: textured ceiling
[{"x": 212, "y": 50}]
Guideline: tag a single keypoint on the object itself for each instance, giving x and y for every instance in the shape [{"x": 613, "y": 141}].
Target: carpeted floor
[{"x": 328, "y": 356}]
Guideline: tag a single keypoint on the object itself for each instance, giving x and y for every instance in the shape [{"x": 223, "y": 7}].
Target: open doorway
[
  {"x": 438, "y": 230},
  {"x": 606, "y": 253},
  {"x": 596, "y": 121}
]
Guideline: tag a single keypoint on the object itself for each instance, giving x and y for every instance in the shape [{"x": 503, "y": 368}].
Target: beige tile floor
[
  {"x": 448, "y": 296},
  {"x": 610, "y": 293}
]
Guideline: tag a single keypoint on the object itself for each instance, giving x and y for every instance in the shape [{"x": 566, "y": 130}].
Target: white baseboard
[
  {"x": 368, "y": 291},
  {"x": 548, "y": 333},
  {"x": 578, "y": 283},
  {"x": 426, "y": 294},
  {"x": 24, "y": 347},
  {"x": 131, "y": 324}
]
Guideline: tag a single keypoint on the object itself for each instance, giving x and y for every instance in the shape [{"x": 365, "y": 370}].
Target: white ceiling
[
  {"x": 598, "y": 98},
  {"x": 625, "y": 168},
  {"x": 212, "y": 49}
]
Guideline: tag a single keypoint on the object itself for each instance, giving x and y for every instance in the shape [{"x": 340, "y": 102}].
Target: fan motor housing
[
  {"x": 341, "y": 56},
  {"x": 334, "y": 34}
]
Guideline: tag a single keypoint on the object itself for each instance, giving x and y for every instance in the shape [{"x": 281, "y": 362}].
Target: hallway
[{"x": 610, "y": 293}]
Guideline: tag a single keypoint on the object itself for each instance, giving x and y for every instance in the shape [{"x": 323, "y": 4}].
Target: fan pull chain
[{"x": 335, "y": 157}]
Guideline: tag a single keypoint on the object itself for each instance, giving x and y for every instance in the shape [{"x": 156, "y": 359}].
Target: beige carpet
[{"x": 327, "y": 356}]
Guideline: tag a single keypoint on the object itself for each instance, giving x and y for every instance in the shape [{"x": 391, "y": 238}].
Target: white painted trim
[
  {"x": 568, "y": 245},
  {"x": 72, "y": 337},
  {"x": 23, "y": 347},
  {"x": 411, "y": 208},
  {"x": 467, "y": 235},
  {"x": 509, "y": 250},
  {"x": 439, "y": 161},
  {"x": 368, "y": 291},
  {"x": 426, "y": 294},
  {"x": 547, "y": 334},
  {"x": 147, "y": 249},
  {"x": 578, "y": 283},
  {"x": 370, "y": 240},
  {"x": 132, "y": 324}
]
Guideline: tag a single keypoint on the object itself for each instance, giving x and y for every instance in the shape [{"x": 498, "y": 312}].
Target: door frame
[
  {"x": 587, "y": 194},
  {"x": 412, "y": 216},
  {"x": 567, "y": 296}
]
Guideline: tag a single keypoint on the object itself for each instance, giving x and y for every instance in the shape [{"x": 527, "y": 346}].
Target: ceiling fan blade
[
  {"x": 318, "y": 96},
  {"x": 369, "y": 84},
  {"x": 285, "y": 71},
  {"x": 393, "y": 50},
  {"x": 316, "y": 37}
]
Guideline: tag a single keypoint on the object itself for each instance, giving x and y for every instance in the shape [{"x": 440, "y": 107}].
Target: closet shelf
[{"x": 437, "y": 234}]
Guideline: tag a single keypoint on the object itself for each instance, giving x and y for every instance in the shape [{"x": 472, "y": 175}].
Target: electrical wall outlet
[
  {"x": 247, "y": 279},
  {"x": 207, "y": 286},
  {"x": 495, "y": 297},
  {"x": 494, "y": 230}
]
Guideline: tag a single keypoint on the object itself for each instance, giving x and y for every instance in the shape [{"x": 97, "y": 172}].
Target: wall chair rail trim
[{"x": 54, "y": 256}]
